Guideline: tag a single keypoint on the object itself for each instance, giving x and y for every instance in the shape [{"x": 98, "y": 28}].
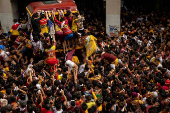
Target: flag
[{"x": 90, "y": 45}]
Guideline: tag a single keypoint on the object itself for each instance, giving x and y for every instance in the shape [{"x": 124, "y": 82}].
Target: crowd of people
[{"x": 128, "y": 73}]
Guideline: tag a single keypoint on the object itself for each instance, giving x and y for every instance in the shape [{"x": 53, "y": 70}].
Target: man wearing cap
[{"x": 113, "y": 60}]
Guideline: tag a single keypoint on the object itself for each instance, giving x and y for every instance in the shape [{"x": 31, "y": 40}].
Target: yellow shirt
[
  {"x": 95, "y": 98},
  {"x": 14, "y": 32},
  {"x": 74, "y": 25},
  {"x": 60, "y": 77},
  {"x": 90, "y": 104}
]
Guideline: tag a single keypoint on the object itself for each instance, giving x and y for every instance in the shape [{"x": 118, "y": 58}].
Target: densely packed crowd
[{"x": 119, "y": 74}]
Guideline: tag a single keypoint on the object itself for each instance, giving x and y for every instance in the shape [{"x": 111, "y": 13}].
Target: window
[{"x": 50, "y": 2}]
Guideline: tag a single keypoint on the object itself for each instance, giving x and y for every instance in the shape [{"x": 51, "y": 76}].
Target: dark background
[{"x": 91, "y": 4}]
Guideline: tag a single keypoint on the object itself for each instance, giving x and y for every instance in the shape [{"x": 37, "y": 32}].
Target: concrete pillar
[
  {"x": 113, "y": 10},
  {"x": 8, "y": 12}
]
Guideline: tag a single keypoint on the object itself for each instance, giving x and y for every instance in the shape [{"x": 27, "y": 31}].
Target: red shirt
[
  {"x": 15, "y": 26},
  {"x": 66, "y": 28},
  {"x": 109, "y": 57},
  {"x": 164, "y": 87},
  {"x": 43, "y": 110},
  {"x": 42, "y": 22},
  {"x": 167, "y": 83}
]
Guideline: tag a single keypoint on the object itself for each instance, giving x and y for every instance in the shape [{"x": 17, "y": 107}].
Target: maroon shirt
[
  {"x": 72, "y": 108},
  {"x": 109, "y": 57},
  {"x": 70, "y": 55},
  {"x": 164, "y": 87},
  {"x": 70, "y": 21}
]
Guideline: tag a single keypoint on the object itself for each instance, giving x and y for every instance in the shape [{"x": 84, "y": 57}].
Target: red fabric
[
  {"x": 52, "y": 61},
  {"x": 72, "y": 108},
  {"x": 109, "y": 57},
  {"x": 70, "y": 55},
  {"x": 79, "y": 102},
  {"x": 51, "y": 54},
  {"x": 164, "y": 87},
  {"x": 167, "y": 83},
  {"x": 17, "y": 41},
  {"x": 1, "y": 58},
  {"x": 70, "y": 21},
  {"x": 43, "y": 110},
  {"x": 66, "y": 28},
  {"x": 147, "y": 108},
  {"x": 15, "y": 26},
  {"x": 42, "y": 22}
]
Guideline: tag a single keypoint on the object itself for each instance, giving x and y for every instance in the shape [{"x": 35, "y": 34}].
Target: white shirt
[
  {"x": 55, "y": 111},
  {"x": 4, "y": 55},
  {"x": 81, "y": 68}
]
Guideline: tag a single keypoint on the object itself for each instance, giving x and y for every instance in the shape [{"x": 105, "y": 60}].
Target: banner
[
  {"x": 90, "y": 45},
  {"x": 113, "y": 31}
]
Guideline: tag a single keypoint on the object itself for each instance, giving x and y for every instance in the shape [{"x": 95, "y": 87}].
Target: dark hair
[
  {"x": 84, "y": 106},
  {"x": 108, "y": 106},
  {"x": 91, "y": 110},
  {"x": 134, "y": 108},
  {"x": 73, "y": 103},
  {"x": 142, "y": 107},
  {"x": 47, "y": 106},
  {"x": 48, "y": 93},
  {"x": 35, "y": 15},
  {"x": 136, "y": 89},
  {"x": 56, "y": 82},
  {"x": 99, "y": 101},
  {"x": 76, "y": 110},
  {"x": 58, "y": 105},
  {"x": 15, "y": 20},
  {"x": 30, "y": 108},
  {"x": 3, "y": 110},
  {"x": 42, "y": 16},
  {"x": 162, "y": 82}
]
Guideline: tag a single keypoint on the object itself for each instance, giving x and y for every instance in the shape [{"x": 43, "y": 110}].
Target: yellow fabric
[
  {"x": 115, "y": 62},
  {"x": 94, "y": 78},
  {"x": 137, "y": 101},
  {"x": 74, "y": 25},
  {"x": 44, "y": 30},
  {"x": 91, "y": 64},
  {"x": 52, "y": 48},
  {"x": 75, "y": 60},
  {"x": 90, "y": 104},
  {"x": 69, "y": 75},
  {"x": 7, "y": 69},
  {"x": 95, "y": 98},
  {"x": 151, "y": 31},
  {"x": 3, "y": 91},
  {"x": 149, "y": 57},
  {"x": 86, "y": 111},
  {"x": 153, "y": 60},
  {"x": 91, "y": 46},
  {"x": 121, "y": 34},
  {"x": 5, "y": 76},
  {"x": 40, "y": 81},
  {"x": 60, "y": 77},
  {"x": 57, "y": 28},
  {"x": 15, "y": 32},
  {"x": 28, "y": 44}
]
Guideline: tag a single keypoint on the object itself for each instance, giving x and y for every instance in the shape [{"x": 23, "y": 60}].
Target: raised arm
[
  {"x": 46, "y": 14},
  {"x": 65, "y": 98}
]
